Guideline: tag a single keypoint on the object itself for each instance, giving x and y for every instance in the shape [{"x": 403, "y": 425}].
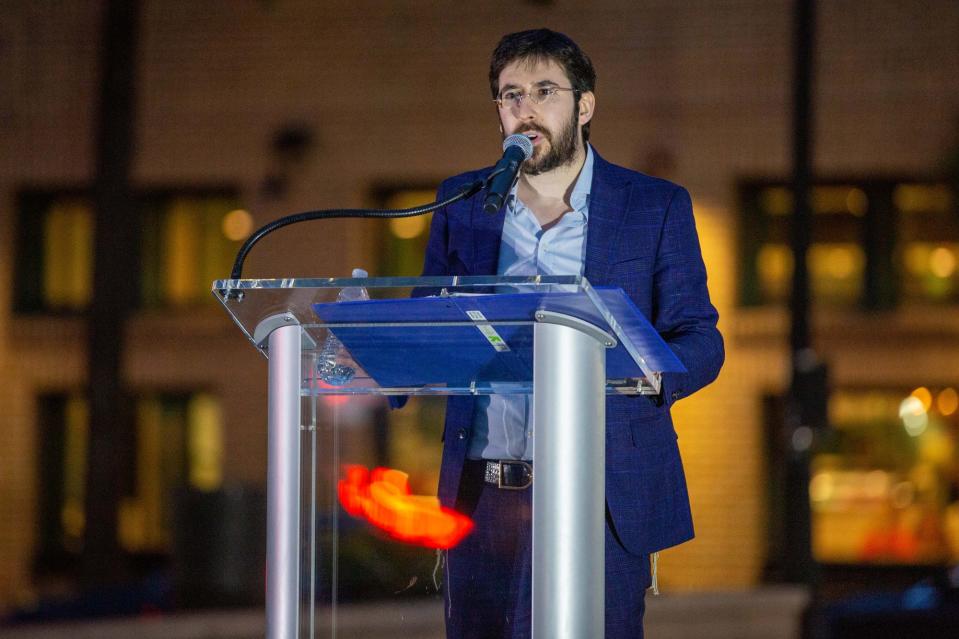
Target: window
[
  {"x": 875, "y": 244},
  {"x": 883, "y": 486},
  {"x": 928, "y": 242},
  {"x": 404, "y": 240},
  {"x": 187, "y": 240},
  {"x": 178, "y": 444},
  {"x": 54, "y": 259}
]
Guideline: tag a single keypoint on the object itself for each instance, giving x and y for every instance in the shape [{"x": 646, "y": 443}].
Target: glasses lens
[
  {"x": 539, "y": 95},
  {"x": 510, "y": 98}
]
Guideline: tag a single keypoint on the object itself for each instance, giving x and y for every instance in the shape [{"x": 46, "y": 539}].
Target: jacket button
[
  {"x": 461, "y": 433},
  {"x": 676, "y": 395}
]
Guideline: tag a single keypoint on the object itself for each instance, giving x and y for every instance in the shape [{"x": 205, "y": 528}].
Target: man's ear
[{"x": 587, "y": 105}]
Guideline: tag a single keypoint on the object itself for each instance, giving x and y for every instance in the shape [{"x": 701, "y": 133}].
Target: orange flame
[{"x": 383, "y": 498}]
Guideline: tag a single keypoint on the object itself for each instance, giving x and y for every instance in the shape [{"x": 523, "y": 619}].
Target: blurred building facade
[{"x": 250, "y": 110}]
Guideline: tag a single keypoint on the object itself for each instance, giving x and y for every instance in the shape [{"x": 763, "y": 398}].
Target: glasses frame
[{"x": 518, "y": 100}]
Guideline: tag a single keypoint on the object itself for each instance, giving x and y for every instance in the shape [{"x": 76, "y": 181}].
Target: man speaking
[{"x": 569, "y": 213}]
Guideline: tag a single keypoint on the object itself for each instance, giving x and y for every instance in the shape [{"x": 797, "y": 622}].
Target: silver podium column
[
  {"x": 569, "y": 397},
  {"x": 283, "y": 479}
]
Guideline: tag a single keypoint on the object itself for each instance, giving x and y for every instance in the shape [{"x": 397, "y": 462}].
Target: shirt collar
[{"x": 579, "y": 198}]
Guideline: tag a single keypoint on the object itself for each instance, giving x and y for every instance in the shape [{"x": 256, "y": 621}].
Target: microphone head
[{"x": 522, "y": 142}]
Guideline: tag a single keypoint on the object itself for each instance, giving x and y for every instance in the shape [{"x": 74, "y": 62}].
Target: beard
[{"x": 562, "y": 147}]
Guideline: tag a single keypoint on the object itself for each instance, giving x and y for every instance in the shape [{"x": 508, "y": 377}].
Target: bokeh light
[
  {"x": 942, "y": 262},
  {"x": 923, "y": 395},
  {"x": 237, "y": 225},
  {"x": 406, "y": 228},
  {"x": 947, "y": 401},
  {"x": 913, "y": 416}
]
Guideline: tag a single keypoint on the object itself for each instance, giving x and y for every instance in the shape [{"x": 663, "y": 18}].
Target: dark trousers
[{"x": 489, "y": 574}]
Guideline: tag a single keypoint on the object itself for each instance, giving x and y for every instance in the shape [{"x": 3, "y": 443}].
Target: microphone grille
[{"x": 523, "y": 142}]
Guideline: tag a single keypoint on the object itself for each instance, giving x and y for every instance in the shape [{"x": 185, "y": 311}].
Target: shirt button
[
  {"x": 676, "y": 395},
  {"x": 461, "y": 433}
]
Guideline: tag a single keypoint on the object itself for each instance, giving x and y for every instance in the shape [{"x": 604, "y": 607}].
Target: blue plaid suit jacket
[{"x": 641, "y": 237}]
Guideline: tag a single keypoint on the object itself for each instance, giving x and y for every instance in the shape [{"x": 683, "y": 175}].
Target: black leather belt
[{"x": 511, "y": 474}]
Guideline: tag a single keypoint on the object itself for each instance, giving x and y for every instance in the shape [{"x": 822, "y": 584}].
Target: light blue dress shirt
[{"x": 503, "y": 424}]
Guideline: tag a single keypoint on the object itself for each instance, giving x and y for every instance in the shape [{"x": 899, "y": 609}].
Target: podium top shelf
[{"x": 447, "y": 335}]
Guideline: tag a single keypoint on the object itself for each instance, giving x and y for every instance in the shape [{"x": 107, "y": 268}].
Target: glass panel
[
  {"x": 68, "y": 255},
  {"x": 369, "y": 515},
  {"x": 774, "y": 263},
  {"x": 76, "y": 435},
  {"x": 54, "y": 252},
  {"x": 923, "y": 198},
  {"x": 204, "y": 447},
  {"x": 370, "y": 523},
  {"x": 466, "y": 340},
  {"x": 883, "y": 487}
]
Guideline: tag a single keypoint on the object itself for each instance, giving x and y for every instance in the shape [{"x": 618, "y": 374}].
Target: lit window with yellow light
[{"x": 883, "y": 488}]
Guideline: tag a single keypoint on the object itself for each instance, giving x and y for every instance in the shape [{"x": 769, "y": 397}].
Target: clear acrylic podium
[{"x": 556, "y": 338}]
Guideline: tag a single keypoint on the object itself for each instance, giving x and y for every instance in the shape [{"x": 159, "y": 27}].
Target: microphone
[{"x": 517, "y": 148}]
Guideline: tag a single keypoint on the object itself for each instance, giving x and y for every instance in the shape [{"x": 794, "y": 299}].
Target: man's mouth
[{"x": 534, "y": 136}]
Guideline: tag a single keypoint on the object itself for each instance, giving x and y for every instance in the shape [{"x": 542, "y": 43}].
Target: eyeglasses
[{"x": 539, "y": 95}]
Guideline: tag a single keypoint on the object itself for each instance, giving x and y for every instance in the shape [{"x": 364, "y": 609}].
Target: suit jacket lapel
[{"x": 608, "y": 203}]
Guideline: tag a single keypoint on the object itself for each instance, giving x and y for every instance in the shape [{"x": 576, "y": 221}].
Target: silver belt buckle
[{"x": 500, "y": 473}]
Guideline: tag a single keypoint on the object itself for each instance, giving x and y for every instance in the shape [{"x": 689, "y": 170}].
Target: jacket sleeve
[{"x": 682, "y": 311}]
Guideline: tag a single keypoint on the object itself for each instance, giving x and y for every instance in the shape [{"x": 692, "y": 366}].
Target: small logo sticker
[{"x": 488, "y": 331}]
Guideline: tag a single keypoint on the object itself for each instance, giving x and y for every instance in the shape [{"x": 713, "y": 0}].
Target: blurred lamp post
[
  {"x": 112, "y": 437},
  {"x": 805, "y": 408}
]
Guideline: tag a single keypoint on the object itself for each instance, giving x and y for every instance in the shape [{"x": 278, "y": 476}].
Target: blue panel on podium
[{"x": 484, "y": 338}]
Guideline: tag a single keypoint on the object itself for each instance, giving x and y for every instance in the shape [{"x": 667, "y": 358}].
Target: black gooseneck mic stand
[
  {"x": 467, "y": 191},
  {"x": 516, "y": 149}
]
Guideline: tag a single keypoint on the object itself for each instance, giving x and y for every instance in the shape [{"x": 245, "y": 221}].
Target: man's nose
[{"x": 527, "y": 109}]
